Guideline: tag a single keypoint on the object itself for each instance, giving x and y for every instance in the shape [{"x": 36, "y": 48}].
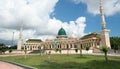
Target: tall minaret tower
[
  {"x": 104, "y": 33},
  {"x": 19, "y": 45}
]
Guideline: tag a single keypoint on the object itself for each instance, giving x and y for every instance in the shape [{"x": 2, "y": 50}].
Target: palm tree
[{"x": 104, "y": 49}]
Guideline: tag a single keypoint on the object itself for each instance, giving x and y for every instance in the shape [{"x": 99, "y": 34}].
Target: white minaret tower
[
  {"x": 104, "y": 33},
  {"x": 19, "y": 45}
]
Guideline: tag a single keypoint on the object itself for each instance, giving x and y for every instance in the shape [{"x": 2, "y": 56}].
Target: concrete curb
[{"x": 18, "y": 64}]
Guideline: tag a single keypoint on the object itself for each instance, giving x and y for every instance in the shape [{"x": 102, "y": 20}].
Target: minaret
[
  {"x": 19, "y": 45},
  {"x": 102, "y": 16},
  {"x": 104, "y": 34}
]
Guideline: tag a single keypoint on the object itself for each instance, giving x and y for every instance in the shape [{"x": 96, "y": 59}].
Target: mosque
[{"x": 63, "y": 42}]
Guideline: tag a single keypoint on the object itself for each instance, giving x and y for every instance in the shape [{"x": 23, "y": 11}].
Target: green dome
[{"x": 61, "y": 32}]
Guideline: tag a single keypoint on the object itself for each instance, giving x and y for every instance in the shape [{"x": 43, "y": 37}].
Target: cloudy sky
[{"x": 43, "y": 18}]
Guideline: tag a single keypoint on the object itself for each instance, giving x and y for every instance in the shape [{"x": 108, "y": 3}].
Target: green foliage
[
  {"x": 104, "y": 49},
  {"x": 10, "y": 50},
  {"x": 3, "y": 48},
  {"x": 60, "y": 50},
  {"x": 115, "y": 43},
  {"x": 25, "y": 50},
  {"x": 80, "y": 51},
  {"x": 76, "y": 50},
  {"x": 87, "y": 48},
  {"x": 57, "y": 49},
  {"x": 13, "y": 47}
]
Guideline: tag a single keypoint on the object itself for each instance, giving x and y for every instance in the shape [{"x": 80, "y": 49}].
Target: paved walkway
[{"x": 5, "y": 65}]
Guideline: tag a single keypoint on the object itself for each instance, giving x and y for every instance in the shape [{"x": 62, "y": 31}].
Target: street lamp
[{"x": 13, "y": 39}]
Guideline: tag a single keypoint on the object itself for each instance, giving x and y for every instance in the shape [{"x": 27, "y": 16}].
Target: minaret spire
[
  {"x": 103, "y": 23},
  {"x": 104, "y": 35},
  {"x": 20, "y": 37},
  {"x": 20, "y": 34}
]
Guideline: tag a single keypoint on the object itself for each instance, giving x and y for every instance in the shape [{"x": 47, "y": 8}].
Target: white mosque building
[{"x": 65, "y": 43}]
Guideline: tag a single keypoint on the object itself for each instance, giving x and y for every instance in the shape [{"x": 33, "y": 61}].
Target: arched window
[
  {"x": 75, "y": 46},
  {"x": 67, "y": 46}
]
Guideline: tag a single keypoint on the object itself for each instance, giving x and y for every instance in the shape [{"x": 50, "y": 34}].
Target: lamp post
[{"x": 13, "y": 39}]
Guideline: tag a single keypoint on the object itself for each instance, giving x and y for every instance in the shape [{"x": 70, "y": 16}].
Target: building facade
[
  {"x": 64, "y": 42},
  {"x": 33, "y": 44}
]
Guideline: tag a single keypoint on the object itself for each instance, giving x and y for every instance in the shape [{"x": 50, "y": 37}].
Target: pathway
[{"x": 5, "y": 65}]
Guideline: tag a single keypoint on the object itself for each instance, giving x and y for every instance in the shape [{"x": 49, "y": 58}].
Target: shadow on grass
[{"x": 93, "y": 64}]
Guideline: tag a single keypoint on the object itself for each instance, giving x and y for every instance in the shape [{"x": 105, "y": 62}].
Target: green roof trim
[
  {"x": 36, "y": 40},
  {"x": 94, "y": 34},
  {"x": 61, "y": 32}
]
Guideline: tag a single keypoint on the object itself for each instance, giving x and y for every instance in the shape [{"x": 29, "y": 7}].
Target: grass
[{"x": 66, "y": 61}]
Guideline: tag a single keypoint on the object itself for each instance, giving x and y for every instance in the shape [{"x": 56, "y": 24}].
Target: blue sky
[{"x": 66, "y": 10}]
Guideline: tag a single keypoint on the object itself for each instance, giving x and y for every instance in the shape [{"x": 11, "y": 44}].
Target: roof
[
  {"x": 34, "y": 40},
  {"x": 61, "y": 32},
  {"x": 94, "y": 34}
]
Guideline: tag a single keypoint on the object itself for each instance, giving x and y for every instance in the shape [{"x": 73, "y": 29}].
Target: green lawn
[{"x": 66, "y": 61}]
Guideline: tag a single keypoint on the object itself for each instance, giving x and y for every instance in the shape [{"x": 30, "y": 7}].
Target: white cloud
[
  {"x": 35, "y": 15},
  {"x": 111, "y": 7},
  {"x": 77, "y": 26}
]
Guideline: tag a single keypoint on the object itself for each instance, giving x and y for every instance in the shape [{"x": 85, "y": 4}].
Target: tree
[
  {"x": 80, "y": 50},
  {"x": 76, "y": 50},
  {"x": 14, "y": 47},
  {"x": 25, "y": 51},
  {"x": 3, "y": 48},
  {"x": 10, "y": 50},
  {"x": 49, "y": 58},
  {"x": 115, "y": 43},
  {"x": 87, "y": 48},
  {"x": 40, "y": 50},
  {"x": 56, "y": 50},
  {"x": 60, "y": 50},
  {"x": 104, "y": 49}
]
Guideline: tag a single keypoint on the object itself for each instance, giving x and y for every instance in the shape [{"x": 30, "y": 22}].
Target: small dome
[{"x": 61, "y": 32}]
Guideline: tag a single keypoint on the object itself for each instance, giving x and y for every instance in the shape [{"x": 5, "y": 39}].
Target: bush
[
  {"x": 87, "y": 48},
  {"x": 60, "y": 50},
  {"x": 10, "y": 50},
  {"x": 76, "y": 50},
  {"x": 57, "y": 49}
]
